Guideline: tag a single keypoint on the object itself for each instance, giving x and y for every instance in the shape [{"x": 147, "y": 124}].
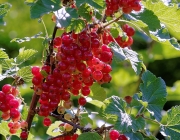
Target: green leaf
[
  {"x": 172, "y": 128},
  {"x": 25, "y": 55},
  {"x": 168, "y": 15},
  {"x": 118, "y": 52},
  {"x": 4, "y": 8},
  {"x": 64, "y": 16},
  {"x": 4, "y": 129},
  {"x": 7, "y": 63},
  {"x": 21, "y": 40},
  {"x": 3, "y": 55},
  {"x": 154, "y": 93},
  {"x": 98, "y": 4},
  {"x": 112, "y": 107},
  {"x": 135, "y": 60},
  {"x": 149, "y": 18},
  {"x": 42, "y": 7},
  {"x": 121, "y": 54},
  {"x": 24, "y": 112},
  {"x": 25, "y": 73},
  {"x": 89, "y": 136},
  {"x": 97, "y": 92},
  {"x": 53, "y": 129},
  {"x": 85, "y": 120},
  {"x": 134, "y": 136},
  {"x": 76, "y": 25},
  {"x": 114, "y": 32},
  {"x": 97, "y": 103},
  {"x": 84, "y": 11}
]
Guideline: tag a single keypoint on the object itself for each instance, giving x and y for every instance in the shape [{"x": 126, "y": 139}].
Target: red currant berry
[
  {"x": 24, "y": 135},
  {"x": 47, "y": 122},
  {"x": 82, "y": 101},
  {"x": 114, "y": 134}
]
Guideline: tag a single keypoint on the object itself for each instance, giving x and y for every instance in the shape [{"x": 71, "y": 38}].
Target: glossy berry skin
[
  {"x": 6, "y": 88},
  {"x": 82, "y": 101},
  {"x": 35, "y": 70},
  {"x": 122, "y": 137},
  {"x": 114, "y": 134},
  {"x": 47, "y": 122},
  {"x": 24, "y": 135}
]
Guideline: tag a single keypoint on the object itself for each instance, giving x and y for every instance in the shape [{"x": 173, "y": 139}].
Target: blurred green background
[{"x": 163, "y": 61}]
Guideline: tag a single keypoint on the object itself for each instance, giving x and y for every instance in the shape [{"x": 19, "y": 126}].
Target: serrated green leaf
[
  {"x": 97, "y": 103},
  {"x": 97, "y": 92},
  {"x": 84, "y": 11},
  {"x": 7, "y": 63},
  {"x": 24, "y": 55},
  {"x": 154, "y": 92},
  {"x": 25, "y": 73},
  {"x": 64, "y": 16},
  {"x": 112, "y": 107},
  {"x": 118, "y": 52},
  {"x": 53, "y": 129},
  {"x": 4, "y": 129},
  {"x": 21, "y": 40},
  {"x": 134, "y": 136},
  {"x": 135, "y": 60},
  {"x": 169, "y": 15},
  {"x": 98, "y": 4},
  {"x": 42, "y": 7},
  {"x": 89, "y": 136},
  {"x": 3, "y": 55},
  {"x": 172, "y": 128},
  {"x": 76, "y": 25}
]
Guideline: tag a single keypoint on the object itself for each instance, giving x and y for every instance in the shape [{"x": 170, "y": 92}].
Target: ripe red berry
[
  {"x": 114, "y": 134},
  {"x": 97, "y": 75},
  {"x": 35, "y": 70},
  {"x": 23, "y": 135},
  {"x": 82, "y": 101},
  {"x": 6, "y": 88},
  {"x": 47, "y": 122},
  {"x": 85, "y": 90}
]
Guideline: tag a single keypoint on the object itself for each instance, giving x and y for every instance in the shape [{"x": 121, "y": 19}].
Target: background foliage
[{"x": 161, "y": 59}]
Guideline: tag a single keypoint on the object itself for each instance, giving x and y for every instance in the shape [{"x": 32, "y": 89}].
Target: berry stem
[
  {"x": 32, "y": 112},
  {"x": 109, "y": 23}
]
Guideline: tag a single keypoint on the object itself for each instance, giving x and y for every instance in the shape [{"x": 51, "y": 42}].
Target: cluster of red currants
[
  {"x": 9, "y": 105},
  {"x": 127, "y": 6},
  {"x": 80, "y": 60},
  {"x": 73, "y": 137},
  {"x": 124, "y": 41},
  {"x": 115, "y": 135}
]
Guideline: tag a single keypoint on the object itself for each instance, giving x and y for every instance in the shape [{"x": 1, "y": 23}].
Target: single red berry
[
  {"x": 35, "y": 70},
  {"x": 85, "y": 90},
  {"x": 97, "y": 75},
  {"x": 74, "y": 137},
  {"x": 82, "y": 101},
  {"x": 47, "y": 122},
  {"x": 114, "y": 134},
  {"x": 6, "y": 88},
  {"x": 23, "y": 135}
]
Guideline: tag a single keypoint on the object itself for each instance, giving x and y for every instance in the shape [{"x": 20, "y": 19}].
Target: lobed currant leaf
[
  {"x": 3, "y": 54},
  {"x": 172, "y": 128},
  {"x": 25, "y": 73},
  {"x": 134, "y": 136},
  {"x": 24, "y": 55},
  {"x": 42, "y": 7},
  {"x": 154, "y": 93},
  {"x": 76, "y": 25},
  {"x": 99, "y": 4},
  {"x": 84, "y": 11}
]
